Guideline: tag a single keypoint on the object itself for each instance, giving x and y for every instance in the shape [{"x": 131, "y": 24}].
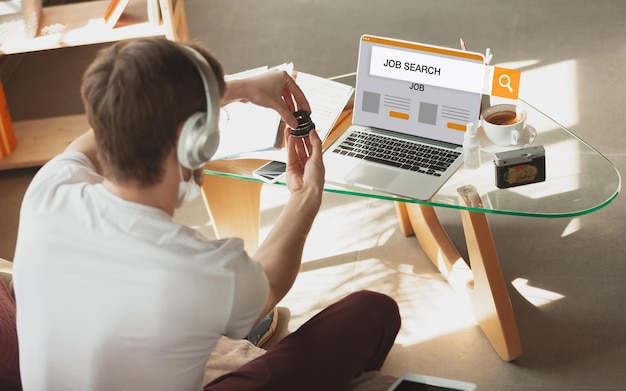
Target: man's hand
[
  {"x": 305, "y": 168},
  {"x": 274, "y": 89}
]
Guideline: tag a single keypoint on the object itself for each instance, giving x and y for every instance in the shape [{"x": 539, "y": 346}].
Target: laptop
[{"x": 411, "y": 107}]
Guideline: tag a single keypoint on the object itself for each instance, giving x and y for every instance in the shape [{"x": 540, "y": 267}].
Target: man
[{"x": 112, "y": 294}]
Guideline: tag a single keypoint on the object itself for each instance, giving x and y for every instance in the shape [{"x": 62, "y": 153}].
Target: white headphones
[{"x": 200, "y": 135}]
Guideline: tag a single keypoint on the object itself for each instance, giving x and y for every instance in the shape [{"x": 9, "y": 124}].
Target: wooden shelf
[
  {"x": 82, "y": 23},
  {"x": 39, "y": 140}
]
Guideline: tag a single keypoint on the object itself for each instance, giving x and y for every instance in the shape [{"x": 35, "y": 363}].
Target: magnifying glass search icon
[{"x": 505, "y": 82}]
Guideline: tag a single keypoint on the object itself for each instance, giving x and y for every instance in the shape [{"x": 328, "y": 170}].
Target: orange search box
[{"x": 505, "y": 82}]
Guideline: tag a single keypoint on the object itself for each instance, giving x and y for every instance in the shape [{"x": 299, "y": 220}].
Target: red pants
[{"x": 334, "y": 347}]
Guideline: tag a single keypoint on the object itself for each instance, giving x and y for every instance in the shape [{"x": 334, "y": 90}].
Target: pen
[{"x": 488, "y": 56}]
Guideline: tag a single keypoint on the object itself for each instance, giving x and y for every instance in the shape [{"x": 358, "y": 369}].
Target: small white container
[{"x": 471, "y": 148}]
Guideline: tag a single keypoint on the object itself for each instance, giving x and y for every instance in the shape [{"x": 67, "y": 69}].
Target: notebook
[{"x": 412, "y": 104}]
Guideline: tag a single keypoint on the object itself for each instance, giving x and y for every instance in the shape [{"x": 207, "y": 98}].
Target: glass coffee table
[{"x": 579, "y": 180}]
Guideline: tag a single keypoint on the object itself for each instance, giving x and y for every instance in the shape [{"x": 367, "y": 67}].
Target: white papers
[
  {"x": 327, "y": 98},
  {"x": 250, "y": 131},
  {"x": 245, "y": 127}
]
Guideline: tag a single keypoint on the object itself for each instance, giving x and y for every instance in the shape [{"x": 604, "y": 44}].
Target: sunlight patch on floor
[
  {"x": 428, "y": 304},
  {"x": 573, "y": 226},
  {"x": 355, "y": 244},
  {"x": 536, "y": 296}
]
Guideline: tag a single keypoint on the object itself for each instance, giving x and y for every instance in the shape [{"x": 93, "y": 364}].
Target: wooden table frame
[
  {"x": 482, "y": 283},
  {"x": 234, "y": 207}
]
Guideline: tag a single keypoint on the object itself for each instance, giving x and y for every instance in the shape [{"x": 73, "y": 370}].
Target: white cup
[{"x": 504, "y": 124}]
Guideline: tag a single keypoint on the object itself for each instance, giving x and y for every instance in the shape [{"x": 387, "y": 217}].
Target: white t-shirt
[{"x": 115, "y": 295}]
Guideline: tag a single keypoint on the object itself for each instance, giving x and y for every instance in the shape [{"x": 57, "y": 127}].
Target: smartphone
[{"x": 270, "y": 172}]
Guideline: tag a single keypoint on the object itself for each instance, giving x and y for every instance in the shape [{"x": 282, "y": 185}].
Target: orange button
[
  {"x": 455, "y": 126},
  {"x": 397, "y": 114}
]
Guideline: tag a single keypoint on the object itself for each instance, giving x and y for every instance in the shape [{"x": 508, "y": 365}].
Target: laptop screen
[{"x": 417, "y": 89}]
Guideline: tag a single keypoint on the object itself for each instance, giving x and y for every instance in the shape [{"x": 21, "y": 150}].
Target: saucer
[{"x": 528, "y": 137}]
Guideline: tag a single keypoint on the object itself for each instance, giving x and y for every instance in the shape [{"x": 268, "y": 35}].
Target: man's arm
[
  {"x": 274, "y": 89},
  {"x": 86, "y": 144},
  {"x": 281, "y": 252}
]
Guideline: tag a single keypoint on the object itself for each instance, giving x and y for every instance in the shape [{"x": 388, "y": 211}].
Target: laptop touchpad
[{"x": 370, "y": 175}]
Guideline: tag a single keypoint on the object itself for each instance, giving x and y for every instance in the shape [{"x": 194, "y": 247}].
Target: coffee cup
[{"x": 504, "y": 124}]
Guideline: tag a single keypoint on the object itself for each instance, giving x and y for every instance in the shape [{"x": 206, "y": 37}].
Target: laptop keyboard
[{"x": 395, "y": 152}]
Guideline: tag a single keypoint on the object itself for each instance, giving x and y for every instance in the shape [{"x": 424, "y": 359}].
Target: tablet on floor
[{"x": 415, "y": 382}]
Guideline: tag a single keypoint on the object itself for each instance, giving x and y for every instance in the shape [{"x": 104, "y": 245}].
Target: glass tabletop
[{"x": 579, "y": 179}]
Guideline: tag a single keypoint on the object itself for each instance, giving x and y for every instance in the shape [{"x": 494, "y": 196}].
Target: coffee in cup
[{"x": 504, "y": 124}]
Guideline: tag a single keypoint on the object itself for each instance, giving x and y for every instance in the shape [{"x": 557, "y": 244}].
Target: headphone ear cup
[
  {"x": 198, "y": 141},
  {"x": 200, "y": 135}
]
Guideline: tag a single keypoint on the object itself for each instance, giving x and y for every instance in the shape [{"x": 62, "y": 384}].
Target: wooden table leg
[
  {"x": 483, "y": 283},
  {"x": 234, "y": 207}
]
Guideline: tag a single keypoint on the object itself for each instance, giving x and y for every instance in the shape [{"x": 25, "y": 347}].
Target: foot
[{"x": 264, "y": 330}]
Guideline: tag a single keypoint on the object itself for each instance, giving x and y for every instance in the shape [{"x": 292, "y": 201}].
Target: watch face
[{"x": 305, "y": 124}]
